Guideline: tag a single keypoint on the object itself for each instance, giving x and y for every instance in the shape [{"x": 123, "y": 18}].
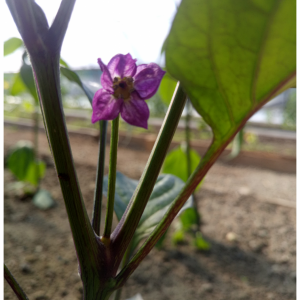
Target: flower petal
[
  {"x": 105, "y": 106},
  {"x": 122, "y": 66},
  {"x": 147, "y": 79},
  {"x": 135, "y": 111},
  {"x": 106, "y": 80}
]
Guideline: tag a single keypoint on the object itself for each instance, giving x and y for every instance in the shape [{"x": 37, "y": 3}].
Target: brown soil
[{"x": 234, "y": 201}]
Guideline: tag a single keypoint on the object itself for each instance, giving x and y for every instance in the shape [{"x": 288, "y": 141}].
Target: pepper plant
[{"x": 230, "y": 57}]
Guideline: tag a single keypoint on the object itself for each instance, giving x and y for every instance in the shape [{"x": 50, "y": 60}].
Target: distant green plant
[
  {"x": 289, "y": 113},
  {"x": 22, "y": 162}
]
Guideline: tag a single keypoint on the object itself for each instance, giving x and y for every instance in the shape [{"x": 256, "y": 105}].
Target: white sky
[{"x": 103, "y": 29}]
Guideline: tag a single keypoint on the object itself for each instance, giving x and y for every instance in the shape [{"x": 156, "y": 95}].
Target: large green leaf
[
  {"x": 165, "y": 191},
  {"x": 232, "y": 56},
  {"x": 12, "y": 45},
  {"x": 72, "y": 76},
  {"x": 176, "y": 163}
]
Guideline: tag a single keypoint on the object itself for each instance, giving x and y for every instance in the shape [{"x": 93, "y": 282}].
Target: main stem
[
  {"x": 111, "y": 179},
  {"x": 46, "y": 71}
]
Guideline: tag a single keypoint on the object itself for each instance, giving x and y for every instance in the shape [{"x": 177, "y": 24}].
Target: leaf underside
[
  {"x": 232, "y": 56},
  {"x": 165, "y": 191}
]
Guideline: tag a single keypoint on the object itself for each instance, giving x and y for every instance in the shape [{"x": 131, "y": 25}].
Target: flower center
[{"x": 123, "y": 87}]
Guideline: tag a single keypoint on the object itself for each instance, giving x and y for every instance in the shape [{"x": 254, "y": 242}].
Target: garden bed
[{"x": 248, "y": 216}]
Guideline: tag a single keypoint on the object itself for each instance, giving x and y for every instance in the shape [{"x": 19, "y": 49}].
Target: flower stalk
[
  {"x": 96, "y": 221},
  {"x": 111, "y": 179}
]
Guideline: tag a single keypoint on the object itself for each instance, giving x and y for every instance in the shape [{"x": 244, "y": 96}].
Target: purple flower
[{"x": 125, "y": 87}]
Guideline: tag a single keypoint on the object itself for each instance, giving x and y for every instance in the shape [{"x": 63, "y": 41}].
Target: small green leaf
[
  {"x": 189, "y": 218},
  {"x": 160, "y": 242},
  {"x": 72, "y": 76},
  {"x": 176, "y": 163},
  {"x": 18, "y": 85},
  {"x": 200, "y": 243},
  {"x": 167, "y": 88},
  {"x": 20, "y": 158},
  {"x": 178, "y": 236},
  {"x": 165, "y": 191},
  {"x": 12, "y": 45},
  {"x": 63, "y": 63}
]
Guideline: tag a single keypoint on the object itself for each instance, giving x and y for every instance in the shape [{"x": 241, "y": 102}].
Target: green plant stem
[
  {"x": 188, "y": 155},
  {"x": 123, "y": 233},
  {"x": 96, "y": 221},
  {"x": 188, "y": 139},
  {"x": 111, "y": 178},
  {"x": 14, "y": 284},
  {"x": 125, "y": 260}
]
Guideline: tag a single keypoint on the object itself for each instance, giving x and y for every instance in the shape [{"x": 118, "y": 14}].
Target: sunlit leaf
[
  {"x": 63, "y": 63},
  {"x": 35, "y": 172},
  {"x": 18, "y": 85},
  {"x": 165, "y": 191},
  {"x": 167, "y": 88},
  {"x": 72, "y": 76},
  {"x": 176, "y": 163},
  {"x": 178, "y": 236},
  {"x": 232, "y": 57},
  {"x": 12, "y": 45}
]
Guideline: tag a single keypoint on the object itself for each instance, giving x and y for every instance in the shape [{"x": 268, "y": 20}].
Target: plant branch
[
  {"x": 123, "y": 234},
  {"x": 60, "y": 24},
  {"x": 14, "y": 284},
  {"x": 31, "y": 22},
  {"x": 96, "y": 221},
  {"x": 111, "y": 178}
]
